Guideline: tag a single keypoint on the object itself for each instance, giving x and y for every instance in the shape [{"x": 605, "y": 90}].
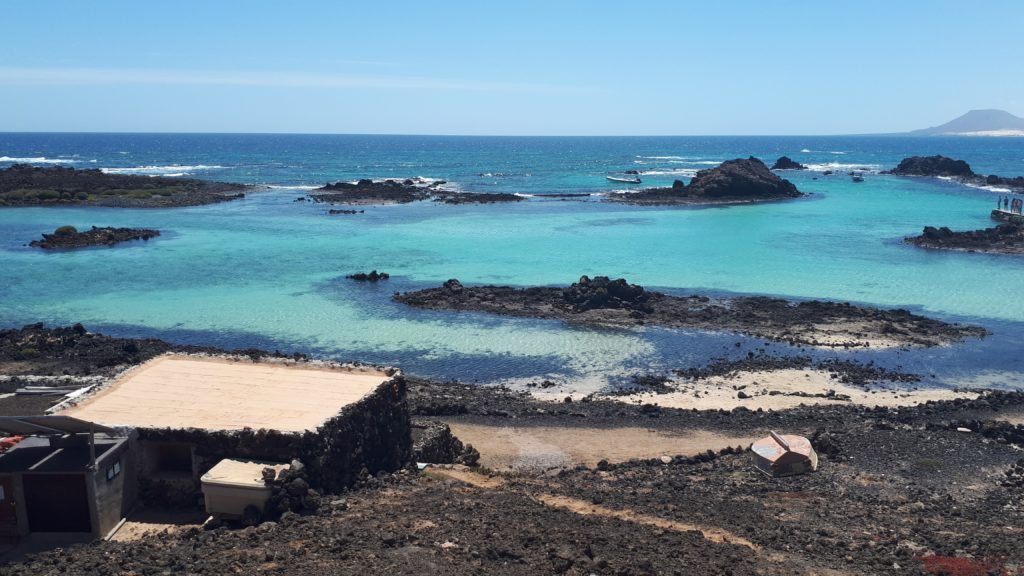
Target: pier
[{"x": 1007, "y": 216}]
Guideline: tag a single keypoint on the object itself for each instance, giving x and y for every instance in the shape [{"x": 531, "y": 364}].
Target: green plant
[
  {"x": 47, "y": 195},
  {"x": 82, "y": 196},
  {"x": 65, "y": 231},
  {"x": 27, "y": 353}
]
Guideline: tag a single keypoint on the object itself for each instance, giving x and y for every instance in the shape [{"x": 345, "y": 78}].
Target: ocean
[{"x": 267, "y": 271}]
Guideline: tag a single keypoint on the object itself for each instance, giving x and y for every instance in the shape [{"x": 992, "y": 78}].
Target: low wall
[{"x": 366, "y": 437}]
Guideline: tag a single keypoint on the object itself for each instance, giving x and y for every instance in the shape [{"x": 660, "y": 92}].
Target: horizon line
[{"x": 450, "y": 135}]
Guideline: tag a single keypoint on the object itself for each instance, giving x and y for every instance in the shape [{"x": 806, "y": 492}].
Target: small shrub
[
  {"x": 27, "y": 353},
  {"x": 47, "y": 195},
  {"x": 65, "y": 231},
  {"x": 929, "y": 463},
  {"x": 164, "y": 192},
  {"x": 82, "y": 196},
  {"x": 139, "y": 194}
]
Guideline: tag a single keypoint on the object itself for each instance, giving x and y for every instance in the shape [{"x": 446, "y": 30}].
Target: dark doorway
[{"x": 57, "y": 503}]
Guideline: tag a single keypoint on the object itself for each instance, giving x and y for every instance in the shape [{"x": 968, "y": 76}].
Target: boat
[
  {"x": 856, "y": 177},
  {"x": 624, "y": 180}
]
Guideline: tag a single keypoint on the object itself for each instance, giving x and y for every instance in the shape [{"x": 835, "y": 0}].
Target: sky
[{"x": 553, "y": 67}]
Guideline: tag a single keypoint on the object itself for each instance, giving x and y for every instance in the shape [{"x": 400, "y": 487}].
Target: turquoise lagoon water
[{"x": 268, "y": 271}]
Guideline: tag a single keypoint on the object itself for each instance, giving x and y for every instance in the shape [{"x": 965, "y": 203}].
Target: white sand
[
  {"x": 721, "y": 393},
  {"x": 177, "y": 391}
]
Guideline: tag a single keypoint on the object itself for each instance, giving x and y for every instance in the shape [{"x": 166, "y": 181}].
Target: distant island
[{"x": 977, "y": 123}]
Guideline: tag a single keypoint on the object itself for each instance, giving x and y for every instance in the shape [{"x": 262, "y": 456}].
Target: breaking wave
[
  {"x": 40, "y": 160},
  {"x": 173, "y": 170}
]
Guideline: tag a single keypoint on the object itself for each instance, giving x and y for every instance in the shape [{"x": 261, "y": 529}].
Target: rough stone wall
[{"x": 366, "y": 437}]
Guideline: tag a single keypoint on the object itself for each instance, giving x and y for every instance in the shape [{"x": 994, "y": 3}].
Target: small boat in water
[
  {"x": 624, "y": 180},
  {"x": 856, "y": 177}
]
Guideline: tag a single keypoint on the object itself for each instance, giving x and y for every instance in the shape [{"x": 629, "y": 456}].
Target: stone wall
[{"x": 366, "y": 437}]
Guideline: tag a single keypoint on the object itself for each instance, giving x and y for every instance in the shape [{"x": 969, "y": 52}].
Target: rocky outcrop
[
  {"x": 958, "y": 170},
  {"x": 67, "y": 237},
  {"x": 1002, "y": 239},
  {"x": 603, "y": 301},
  {"x": 368, "y": 191},
  {"x": 373, "y": 276},
  {"x": 602, "y": 292},
  {"x": 734, "y": 181},
  {"x": 785, "y": 163},
  {"x": 931, "y": 166},
  {"x": 25, "y": 185}
]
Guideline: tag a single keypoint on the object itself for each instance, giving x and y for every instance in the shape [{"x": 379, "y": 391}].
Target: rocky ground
[
  {"x": 1002, "y": 239},
  {"x": 67, "y": 237},
  {"x": 928, "y": 489},
  {"x": 615, "y": 302},
  {"x": 733, "y": 181},
  {"x": 368, "y": 192},
  {"x": 25, "y": 185}
]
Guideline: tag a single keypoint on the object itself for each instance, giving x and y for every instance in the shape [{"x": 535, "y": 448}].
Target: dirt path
[{"x": 532, "y": 448}]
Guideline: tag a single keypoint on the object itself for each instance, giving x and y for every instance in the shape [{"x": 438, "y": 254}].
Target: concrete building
[
  {"x": 152, "y": 433},
  {"x": 191, "y": 412}
]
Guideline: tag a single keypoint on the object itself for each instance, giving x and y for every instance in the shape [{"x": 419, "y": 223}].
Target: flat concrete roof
[{"x": 179, "y": 391}]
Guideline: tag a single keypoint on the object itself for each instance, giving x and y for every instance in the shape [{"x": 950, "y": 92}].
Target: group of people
[{"x": 1010, "y": 204}]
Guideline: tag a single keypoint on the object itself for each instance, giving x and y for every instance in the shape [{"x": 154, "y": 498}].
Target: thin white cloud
[{"x": 15, "y": 76}]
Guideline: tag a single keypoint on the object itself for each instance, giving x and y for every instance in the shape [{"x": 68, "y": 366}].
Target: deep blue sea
[{"x": 267, "y": 271}]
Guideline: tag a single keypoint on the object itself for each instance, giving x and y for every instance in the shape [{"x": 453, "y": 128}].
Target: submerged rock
[{"x": 373, "y": 276}]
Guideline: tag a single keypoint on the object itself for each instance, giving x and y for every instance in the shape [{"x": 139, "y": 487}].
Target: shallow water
[{"x": 267, "y": 271}]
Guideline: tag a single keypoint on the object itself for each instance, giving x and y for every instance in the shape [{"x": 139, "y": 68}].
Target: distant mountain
[{"x": 978, "y": 123}]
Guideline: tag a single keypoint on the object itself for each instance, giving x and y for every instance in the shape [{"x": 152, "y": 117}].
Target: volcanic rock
[
  {"x": 1002, "y": 239},
  {"x": 785, "y": 163},
  {"x": 734, "y": 181},
  {"x": 25, "y": 185},
  {"x": 932, "y": 166},
  {"x": 373, "y": 276},
  {"x": 67, "y": 237}
]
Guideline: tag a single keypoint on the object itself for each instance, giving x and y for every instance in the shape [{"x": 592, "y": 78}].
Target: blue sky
[{"x": 547, "y": 68}]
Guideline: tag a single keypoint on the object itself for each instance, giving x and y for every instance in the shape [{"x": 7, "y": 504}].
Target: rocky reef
[
  {"x": 1002, "y": 239},
  {"x": 604, "y": 301},
  {"x": 786, "y": 163},
  {"x": 67, "y": 237},
  {"x": 734, "y": 181},
  {"x": 367, "y": 192},
  {"x": 25, "y": 185}
]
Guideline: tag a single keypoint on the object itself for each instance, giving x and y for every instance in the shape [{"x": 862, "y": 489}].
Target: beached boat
[{"x": 624, "y": 180}]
